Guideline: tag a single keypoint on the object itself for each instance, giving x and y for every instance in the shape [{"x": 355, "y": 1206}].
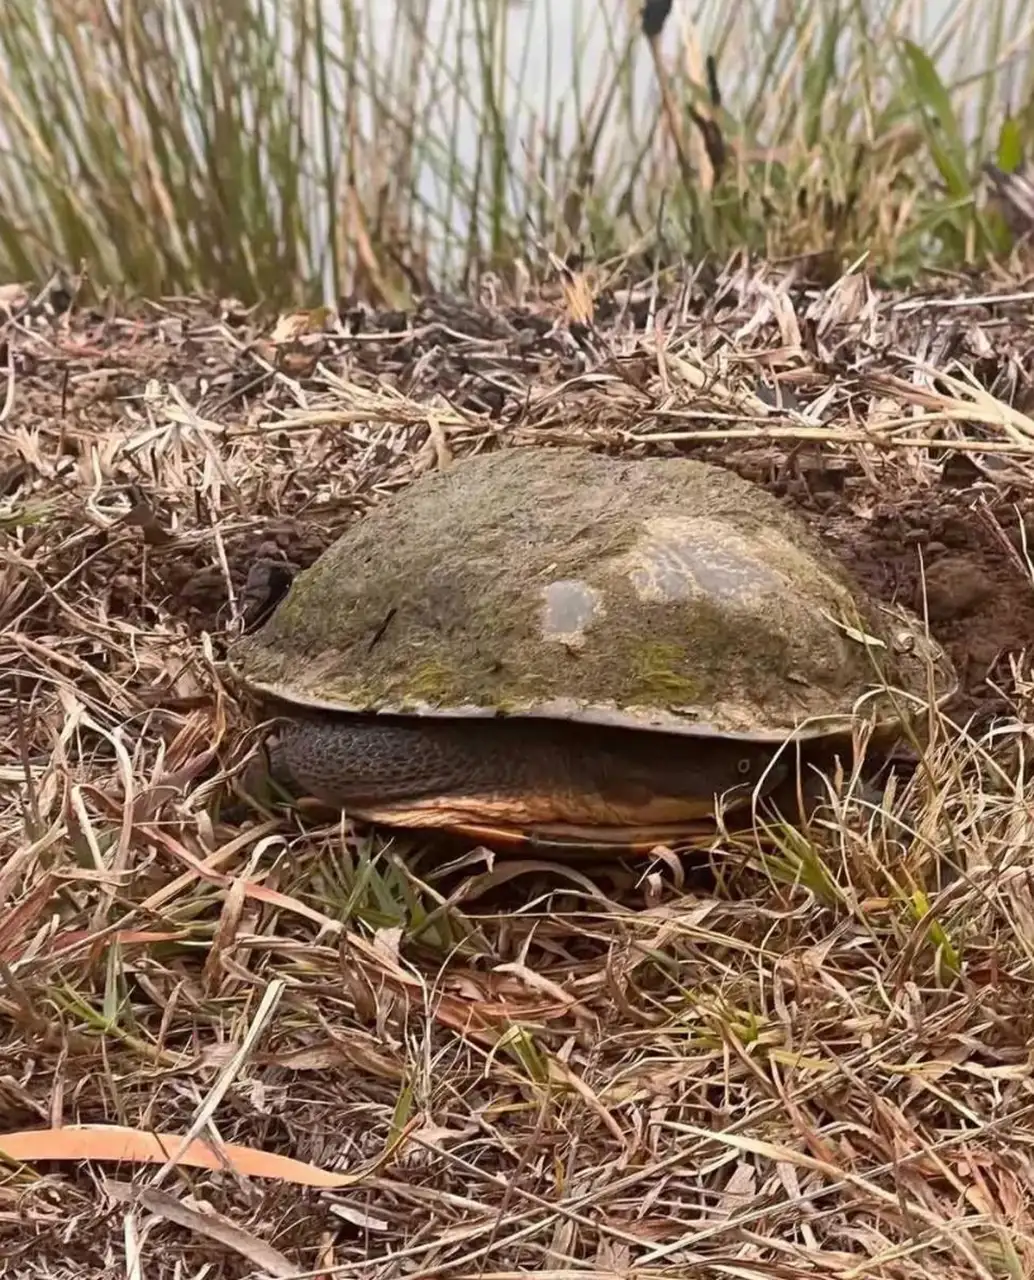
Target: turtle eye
[{"x": 743, "y": 767}]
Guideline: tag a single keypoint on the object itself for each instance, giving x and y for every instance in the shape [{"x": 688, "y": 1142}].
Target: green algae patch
[{"x": 657, "y": 677}]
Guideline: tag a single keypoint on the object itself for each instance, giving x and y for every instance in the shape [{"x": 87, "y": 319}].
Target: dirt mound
[{"x": 956, "y": 563}]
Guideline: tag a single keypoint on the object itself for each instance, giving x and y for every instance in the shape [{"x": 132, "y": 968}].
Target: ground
[{"x": 806, "y": 1059}]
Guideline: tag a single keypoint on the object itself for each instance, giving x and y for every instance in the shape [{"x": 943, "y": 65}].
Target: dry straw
[{"x": 811, "y": 1060}]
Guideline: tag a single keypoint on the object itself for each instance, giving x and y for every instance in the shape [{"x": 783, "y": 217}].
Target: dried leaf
[
  {"x": 134, "y": 1146},
  {"x": 210, "y": 1224}
]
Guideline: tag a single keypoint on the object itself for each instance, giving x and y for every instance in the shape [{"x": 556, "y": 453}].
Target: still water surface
[
  {"x": 555, "y": 52},
  {"x": 552, "y": 60}
]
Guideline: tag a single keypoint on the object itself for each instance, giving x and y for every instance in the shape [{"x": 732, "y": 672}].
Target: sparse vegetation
[{"x": 805, "y": 1050}]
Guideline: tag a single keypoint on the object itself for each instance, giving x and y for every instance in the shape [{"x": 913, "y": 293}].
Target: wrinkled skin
[{"x": 521, "y": 773}]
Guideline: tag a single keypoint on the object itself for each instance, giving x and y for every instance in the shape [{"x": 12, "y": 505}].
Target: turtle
[{"x": 569, "y": 647}]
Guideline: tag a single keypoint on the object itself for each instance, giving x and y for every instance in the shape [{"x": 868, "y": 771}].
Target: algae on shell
[{"x": 688, "y": 599}]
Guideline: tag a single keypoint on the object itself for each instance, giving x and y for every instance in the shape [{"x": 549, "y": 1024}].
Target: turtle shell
[{"x": 657, "y": 593}]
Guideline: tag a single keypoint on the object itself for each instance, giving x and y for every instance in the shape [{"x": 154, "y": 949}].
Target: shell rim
[
  {"x": 644, "y": 719},
  {"x": 566, "y": 711}
]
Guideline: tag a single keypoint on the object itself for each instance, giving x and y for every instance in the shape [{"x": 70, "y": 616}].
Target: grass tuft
[{"x": 296, "y": 153}]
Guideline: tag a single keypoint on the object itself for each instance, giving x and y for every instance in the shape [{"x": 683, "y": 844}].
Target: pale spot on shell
[
  {"x": 686, "y": 559},
  {"x": 570, "y": 607}
]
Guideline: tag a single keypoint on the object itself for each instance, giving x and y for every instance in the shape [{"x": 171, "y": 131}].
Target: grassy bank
[
  {"x": 295, "y": 152},
  {"x": 803, "y": 1061}
]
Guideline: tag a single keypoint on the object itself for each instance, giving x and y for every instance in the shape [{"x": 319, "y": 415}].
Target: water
[{"x": 554, "y": 59}]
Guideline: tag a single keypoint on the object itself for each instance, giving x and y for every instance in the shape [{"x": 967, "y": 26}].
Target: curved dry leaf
[{"x": 123, "y": 1144}]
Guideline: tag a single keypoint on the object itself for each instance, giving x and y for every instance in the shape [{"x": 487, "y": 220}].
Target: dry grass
[{"x": 812, "y": 1061}]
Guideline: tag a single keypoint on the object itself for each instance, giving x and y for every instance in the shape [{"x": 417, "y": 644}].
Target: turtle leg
[
  {"x": 348, "y": 763},
  {"x": 267, "y": 777},
  {"x": 321, "y": 759}
]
